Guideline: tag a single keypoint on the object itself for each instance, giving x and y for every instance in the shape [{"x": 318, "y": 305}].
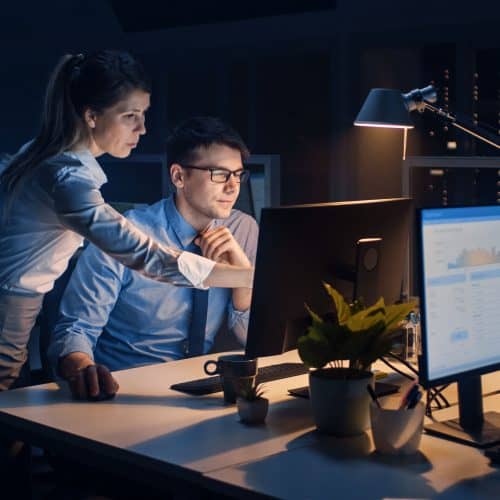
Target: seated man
[{"x": 112, "y": 318}]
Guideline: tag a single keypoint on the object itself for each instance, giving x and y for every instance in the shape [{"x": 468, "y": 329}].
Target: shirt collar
[{"x": 184, "y": 231}]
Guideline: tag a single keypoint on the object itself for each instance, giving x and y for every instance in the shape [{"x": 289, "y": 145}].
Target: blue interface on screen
[{"x": 461, "y": 283}]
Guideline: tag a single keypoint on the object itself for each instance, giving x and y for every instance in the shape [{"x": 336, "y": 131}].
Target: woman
[{"x": 50, "y": 199}]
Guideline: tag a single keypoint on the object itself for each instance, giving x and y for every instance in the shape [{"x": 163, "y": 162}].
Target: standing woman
[{"x": 50, "y": 197}]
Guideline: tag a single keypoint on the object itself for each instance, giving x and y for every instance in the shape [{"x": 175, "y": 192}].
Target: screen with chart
[{"x": 461, "y": 289}]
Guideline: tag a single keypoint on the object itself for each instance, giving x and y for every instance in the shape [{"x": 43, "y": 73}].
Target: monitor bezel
[{"x": 424, "y": 378}]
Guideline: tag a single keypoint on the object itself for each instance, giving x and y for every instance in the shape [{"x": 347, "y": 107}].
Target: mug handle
[{"x": 207, "y": 364}]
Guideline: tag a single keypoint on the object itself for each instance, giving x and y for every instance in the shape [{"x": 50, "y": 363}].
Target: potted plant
[
  {"x": 252, "y": 407},
  {"x": 357, "y": 335}
]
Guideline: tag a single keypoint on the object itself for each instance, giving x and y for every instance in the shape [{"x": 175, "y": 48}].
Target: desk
[
  {"x": 148, "y": 427},
  {"x": 350, "y": 469},
  {"x": 164, "y": 436}
]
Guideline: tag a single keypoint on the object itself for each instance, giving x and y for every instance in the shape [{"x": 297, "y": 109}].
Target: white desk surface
[
  {"x": 349, "y": 468},
  {"x": 149, "y": 426},
  {"x": 329, "y": 467},
  {"x": 152, "y": 421}
]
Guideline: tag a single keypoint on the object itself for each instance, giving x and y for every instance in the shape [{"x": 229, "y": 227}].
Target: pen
[
  {"x": 372, "y": 394},
  {"x": 409, "y": 395},
  {"x": 413, "y": 402}
]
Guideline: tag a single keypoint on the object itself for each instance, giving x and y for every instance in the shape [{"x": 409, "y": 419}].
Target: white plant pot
[
  {"x": 252, "y": 412},
  {"x": 340, "y": 405}
]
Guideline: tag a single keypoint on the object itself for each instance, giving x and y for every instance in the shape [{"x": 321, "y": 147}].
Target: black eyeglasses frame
[{"x": 242, "y": 175}]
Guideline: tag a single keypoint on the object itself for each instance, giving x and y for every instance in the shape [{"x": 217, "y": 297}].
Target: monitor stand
[{"x": 472, "y": 427}]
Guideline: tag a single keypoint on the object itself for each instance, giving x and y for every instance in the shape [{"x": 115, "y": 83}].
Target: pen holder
[{"x": 397, "y": 432}]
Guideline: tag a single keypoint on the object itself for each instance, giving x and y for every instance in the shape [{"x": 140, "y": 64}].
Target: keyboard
[{"x": 209, "y": 385}]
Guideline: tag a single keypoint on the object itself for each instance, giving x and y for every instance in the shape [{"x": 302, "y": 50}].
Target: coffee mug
[{"x": 235, "y": 371}]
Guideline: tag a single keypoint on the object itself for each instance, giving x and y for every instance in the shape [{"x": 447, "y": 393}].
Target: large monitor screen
[{"x": 460, "y": 255}]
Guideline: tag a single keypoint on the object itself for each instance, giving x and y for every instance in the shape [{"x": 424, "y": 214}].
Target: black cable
[
  {"x": 392, "y": 367},
  {"x": 442, "y": 396},
  {"x": 434, "y": 394},
  {"x": 437, "y": 393},
  {"x": 404, "y": 362}
]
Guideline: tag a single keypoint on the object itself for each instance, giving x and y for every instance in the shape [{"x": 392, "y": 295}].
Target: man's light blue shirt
[{"x": 122, "y": 319}]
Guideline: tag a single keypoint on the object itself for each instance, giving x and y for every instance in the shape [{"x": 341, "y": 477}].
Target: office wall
[{"x": 291, "y": 84}]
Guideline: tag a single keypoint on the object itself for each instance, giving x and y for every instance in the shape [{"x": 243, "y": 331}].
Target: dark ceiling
[{"x": 155, "y": 15}]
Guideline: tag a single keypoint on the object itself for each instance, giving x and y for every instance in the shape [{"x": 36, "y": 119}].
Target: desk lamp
[{"x": 391, "y": 108}]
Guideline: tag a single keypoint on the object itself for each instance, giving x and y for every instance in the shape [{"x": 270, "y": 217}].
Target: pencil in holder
[{"x": 397, "y": 431}]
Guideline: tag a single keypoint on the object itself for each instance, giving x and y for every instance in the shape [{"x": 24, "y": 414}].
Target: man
[{"x": 112, "y": 318}]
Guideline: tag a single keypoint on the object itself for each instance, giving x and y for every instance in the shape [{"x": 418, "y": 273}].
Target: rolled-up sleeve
[
  {"x": 86, "y": 304},
  {"x": 247, "y": 234},
  {"x": 237, "y": 322},
  {"x": 80, "y": 207}
]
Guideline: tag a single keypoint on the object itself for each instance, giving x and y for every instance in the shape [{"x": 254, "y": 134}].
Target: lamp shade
[{"x": 384, "y": 108}]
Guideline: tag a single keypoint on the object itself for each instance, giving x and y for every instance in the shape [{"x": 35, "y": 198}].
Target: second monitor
[{"x": 346, "y": 244}]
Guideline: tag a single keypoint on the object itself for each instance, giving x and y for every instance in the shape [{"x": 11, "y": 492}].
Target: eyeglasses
[{"x": 222, "y": 175}]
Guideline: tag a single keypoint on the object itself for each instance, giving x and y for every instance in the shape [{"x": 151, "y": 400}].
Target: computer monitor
[
  {"x": 301, "y": 246},
  {"x": 460, "y": 297}
]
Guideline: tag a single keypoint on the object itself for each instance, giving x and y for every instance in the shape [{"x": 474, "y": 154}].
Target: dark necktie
[{"x": 196, "y": 341}]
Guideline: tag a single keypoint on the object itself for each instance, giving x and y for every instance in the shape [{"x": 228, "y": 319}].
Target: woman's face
[{"x": 117, "y": 129}]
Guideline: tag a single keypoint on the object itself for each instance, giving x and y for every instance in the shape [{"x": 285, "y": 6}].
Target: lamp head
[
  {"x": 384, "y": 108},
  {"x": 390, "y": 108}
]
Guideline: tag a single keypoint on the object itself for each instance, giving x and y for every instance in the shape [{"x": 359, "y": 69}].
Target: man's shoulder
[
  {"x": 242, "y": 226},
  {"x": 148, "y": 215},
  {"x": 238, "y": 218}
]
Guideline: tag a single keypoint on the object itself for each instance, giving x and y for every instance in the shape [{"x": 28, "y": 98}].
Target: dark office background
[{"x": 289, "y": 75}]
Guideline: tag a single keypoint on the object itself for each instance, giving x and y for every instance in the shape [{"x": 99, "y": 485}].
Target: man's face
[{"x": 203, "y": 198}]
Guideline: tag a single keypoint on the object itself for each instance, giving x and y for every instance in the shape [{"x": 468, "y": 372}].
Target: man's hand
[
  {"x": 86, "y": 379},
  {"x": 219, "y": 245}
]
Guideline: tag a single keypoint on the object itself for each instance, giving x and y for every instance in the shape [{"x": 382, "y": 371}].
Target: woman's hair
[{"x": 78, "y": 82}]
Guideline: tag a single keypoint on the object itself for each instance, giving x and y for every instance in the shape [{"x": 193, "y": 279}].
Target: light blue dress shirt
[{"x": 121, "y": 319}]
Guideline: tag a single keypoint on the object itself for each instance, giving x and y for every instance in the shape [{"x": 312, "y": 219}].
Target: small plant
[
  {"x": 252, "y": 407},
  {"x": 358, "y": 334},
  {"x": 250, "y": 391}
]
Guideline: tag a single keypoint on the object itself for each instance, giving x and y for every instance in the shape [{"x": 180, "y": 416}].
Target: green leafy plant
[
  {"x": 250, "y": 391},
  {"x": 358, "y": 334}
]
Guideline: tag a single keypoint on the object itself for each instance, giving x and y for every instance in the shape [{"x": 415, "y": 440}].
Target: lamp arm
[{"x": 478, "y": 133}]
